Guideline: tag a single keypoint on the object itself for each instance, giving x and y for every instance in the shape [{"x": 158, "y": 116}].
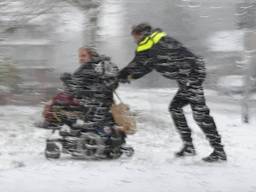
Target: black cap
[{"x": 142, "y": 28}]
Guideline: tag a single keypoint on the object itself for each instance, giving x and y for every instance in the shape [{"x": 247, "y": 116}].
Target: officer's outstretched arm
[{"x": 137, "y": 68}]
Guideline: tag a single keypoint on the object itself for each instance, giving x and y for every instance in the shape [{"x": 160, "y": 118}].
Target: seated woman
[
  {"x": 93, "y": 83},
  {"x": 88, "y": 97}
]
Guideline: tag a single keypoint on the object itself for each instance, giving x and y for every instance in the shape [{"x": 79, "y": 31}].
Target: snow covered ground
[{"x": 153, "y": 167}]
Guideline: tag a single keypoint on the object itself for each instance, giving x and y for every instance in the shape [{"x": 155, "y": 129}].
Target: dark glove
[
  {"x": 123, "y": 77},
  {"x": 124, "y": 81}
]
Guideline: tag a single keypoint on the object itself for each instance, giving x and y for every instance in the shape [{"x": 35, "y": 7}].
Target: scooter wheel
[
  {"x": 114, "y": 153},
  {"x": 129, "y": 151},
  {"x": 52, "y": 151}
]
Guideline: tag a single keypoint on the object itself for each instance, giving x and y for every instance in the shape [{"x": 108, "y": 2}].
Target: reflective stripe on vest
[{"x": 150, "y": 41}]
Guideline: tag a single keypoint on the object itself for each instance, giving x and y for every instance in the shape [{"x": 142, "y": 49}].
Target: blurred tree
[
  {"x": 8, "y": 74},
  {"x": 91, "y": 10},
  {"x": 247, "y": 21}
]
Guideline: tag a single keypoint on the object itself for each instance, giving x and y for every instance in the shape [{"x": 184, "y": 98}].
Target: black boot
[
  {"x": 216, "y": 156},
  {"x": 187, "y": 150}
]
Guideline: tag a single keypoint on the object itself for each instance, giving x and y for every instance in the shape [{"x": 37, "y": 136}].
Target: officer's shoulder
[
  {"x": 171, "y": 42},
  {"x": 170, "y": 39}
]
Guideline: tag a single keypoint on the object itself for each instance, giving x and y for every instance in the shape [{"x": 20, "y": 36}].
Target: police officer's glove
[
  {"x": 124, "y": 81},
  {"x": 124, "y": 77}
]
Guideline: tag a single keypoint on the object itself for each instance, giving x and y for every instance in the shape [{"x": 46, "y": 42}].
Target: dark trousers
[
  {"x": 194, "y": 96},
  {"x": 97, "y": 110}
]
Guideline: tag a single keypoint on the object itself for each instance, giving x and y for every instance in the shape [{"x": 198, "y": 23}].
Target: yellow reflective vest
[{"x": 150, "y": 41}]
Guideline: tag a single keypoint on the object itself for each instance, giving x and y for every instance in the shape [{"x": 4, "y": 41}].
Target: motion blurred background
[{"x": 39, "y": 41}]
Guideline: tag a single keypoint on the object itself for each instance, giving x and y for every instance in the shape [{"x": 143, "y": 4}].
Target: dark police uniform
[{"x": 169, "y": 57}]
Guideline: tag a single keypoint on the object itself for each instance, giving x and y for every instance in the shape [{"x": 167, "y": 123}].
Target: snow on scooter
[{"x": 63, "y": 114}]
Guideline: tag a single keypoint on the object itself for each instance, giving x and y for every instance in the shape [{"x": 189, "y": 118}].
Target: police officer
[{"x": 157, "y": 51}]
